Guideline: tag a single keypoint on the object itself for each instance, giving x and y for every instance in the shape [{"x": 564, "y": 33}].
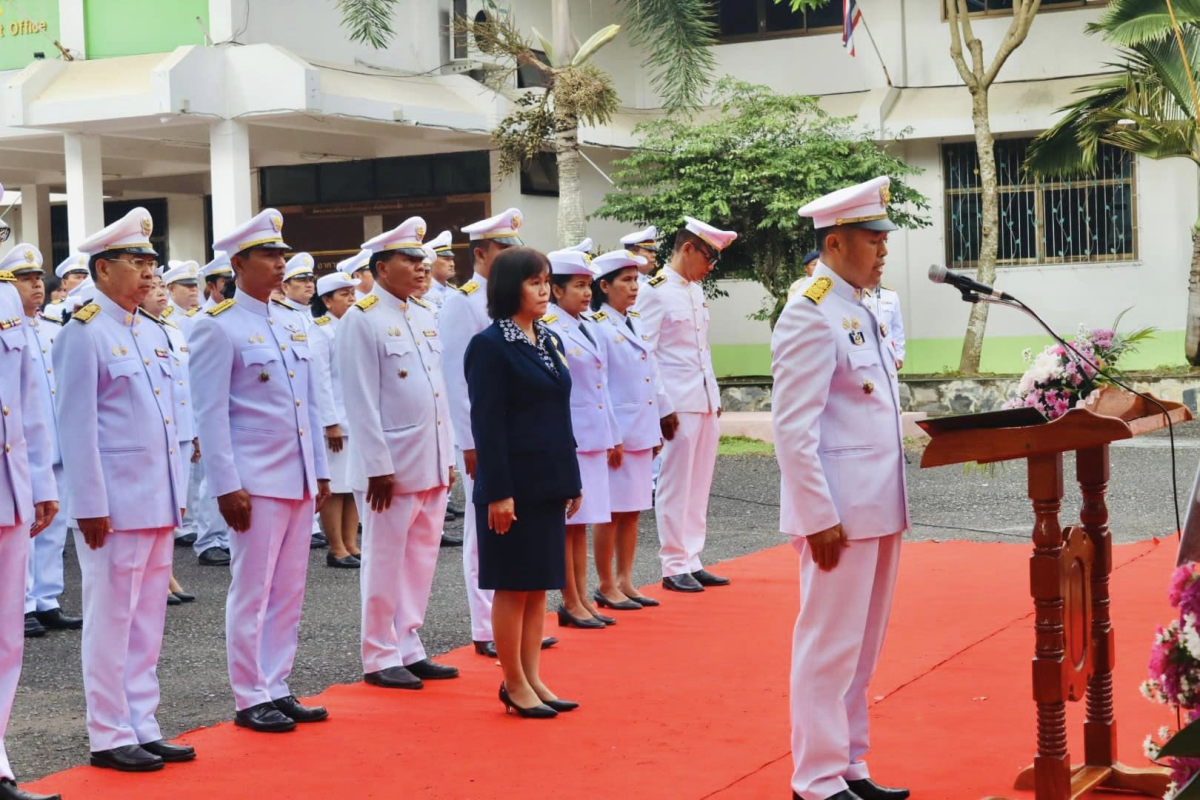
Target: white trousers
[
  {"x": 125, "y": 584},
  {"x": 681, "y": 501},
  {"x": 835, "y": 647},
  {"x": 266, "y": 592},
  {"x": 400, "y": 552},
  {"x": 479, "y": 600},
  {"x": 14, "y": 551},
  {"x": 44, "y": 575},
  {"x": 211, "y": 530}
]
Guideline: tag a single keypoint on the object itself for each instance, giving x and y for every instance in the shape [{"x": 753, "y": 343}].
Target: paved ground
[{"x": 47, "y": 732}]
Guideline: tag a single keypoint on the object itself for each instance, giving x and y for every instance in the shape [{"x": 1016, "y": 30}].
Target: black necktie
[
  {"x": 584, "y": 329},
  {"x": 629, "y": 324}
]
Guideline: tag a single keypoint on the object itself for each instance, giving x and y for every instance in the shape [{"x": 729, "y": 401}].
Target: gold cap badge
[{"x": 147, "y": 226}]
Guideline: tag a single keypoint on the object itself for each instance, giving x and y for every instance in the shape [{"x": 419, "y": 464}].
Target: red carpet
[{"x": 690, "y": 701}]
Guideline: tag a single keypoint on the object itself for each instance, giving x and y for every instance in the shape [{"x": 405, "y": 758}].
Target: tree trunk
[
  {"x": 989, "y": 245},
  {"x": 572, "y": 225},
  {"x": 1191, "y": 345}
]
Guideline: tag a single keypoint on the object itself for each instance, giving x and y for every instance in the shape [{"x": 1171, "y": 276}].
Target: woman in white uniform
[
  {"x": 339, "y": 516},
  {"x": 597, "y": 436},
  {"x": 638, "y": 402}
]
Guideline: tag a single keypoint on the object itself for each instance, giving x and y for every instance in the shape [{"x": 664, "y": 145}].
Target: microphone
[{"x": 939, "y": 274}]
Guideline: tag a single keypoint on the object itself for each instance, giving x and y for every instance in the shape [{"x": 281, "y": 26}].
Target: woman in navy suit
[{"x": 526, "y": 477}]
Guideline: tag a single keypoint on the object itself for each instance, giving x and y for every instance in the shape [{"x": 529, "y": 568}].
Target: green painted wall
[
  {"x": 1001, "y": 355},
  {"x": 135, "y": 27},
  {"x": 27, "y": 27}
]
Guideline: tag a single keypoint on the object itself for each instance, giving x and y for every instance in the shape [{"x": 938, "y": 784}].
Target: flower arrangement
[
  {"x": 1175, "y": 681},
  {"x": 1056, "y": 380}
]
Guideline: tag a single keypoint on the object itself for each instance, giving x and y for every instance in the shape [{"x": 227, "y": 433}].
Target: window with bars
[
  {"x": 1002, "y": 7},
  {"x": 745, "y": 20},
  {"x": 1087, "y": 219}
]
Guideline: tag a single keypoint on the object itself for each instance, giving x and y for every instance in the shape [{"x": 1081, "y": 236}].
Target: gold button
[
  {"x": 135, "y": 333},
  {"x": 6, "y": 411},
  {"x": 297, "y": 404},
  {"x": 598, "y": 386},
  {"x": 183, "y": 402},
  {"x": 156, "y": 391},
  {"x": 647, "y": 380},
  {"x": 651, "y": 402},
  {"x": 44, "y": 350},
  {"x": 439, "y": 422},
  {"x": 600, "y": 406},
  {"x": 50, "y": 371},
  {"x": 51, "y": 391},
  {"x": 283, "y": 347},
  {"x": 168, "y": 420},
  {"x": 8, "y": 448},
  {"x": 172, "y": 451},
  {"x": 437, "y": 394},
  {"x": 270, "y": 321},
  {"x": 697, "y": 327},
  {"x": 302, "y": 431},
  {"x": 181, "y": 383},
  {"x": 291, "y": 374},
  {"x": 146, "y": 361}
]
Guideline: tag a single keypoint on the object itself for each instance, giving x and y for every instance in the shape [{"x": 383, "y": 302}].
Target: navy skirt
[{"x": 531, "y": 556}]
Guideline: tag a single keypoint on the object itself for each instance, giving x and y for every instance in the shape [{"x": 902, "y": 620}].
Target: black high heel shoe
[
  {"x": 561, "y": 705},
  {"x": 645, "y": 602},
  {"x": 624, "y": 605},
  {"x": 540, "y": 711},
  {"x": 602, "y": 618},
  {"x": 566, "y": 620}
]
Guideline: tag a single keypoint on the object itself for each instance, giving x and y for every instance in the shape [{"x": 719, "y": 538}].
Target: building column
[
  {"x": 185, "y": 228},
  {"x": 35, "y": 217},
  {"x": 221, "y": 14},
  {"x": 230, "y": 156},
  {"x": 71, "y": 27},
  {"x": 85, "y": 186}
]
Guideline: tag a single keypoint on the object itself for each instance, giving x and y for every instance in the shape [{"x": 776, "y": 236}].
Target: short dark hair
[
  {"x": 683, "y": 237},
  {"x": 317, "y": 304},
  {"x": 510, "y": 270},
  {"x": 376, "y": 257},
  {"x": 561, "y": 282},
  {"x": 599, "y": 296},
  {"x": 821, "y": 234}
]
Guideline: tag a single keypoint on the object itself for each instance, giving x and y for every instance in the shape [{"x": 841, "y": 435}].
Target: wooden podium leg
[
  {"x": 1099, "y": 729},
  {"x": 1052, "y": 765}
]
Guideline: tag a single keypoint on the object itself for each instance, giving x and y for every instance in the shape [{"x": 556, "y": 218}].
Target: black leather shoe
[
  {"x": 561, "y": 706},
  {"x": 318, "y": 541},
  {"x": 451, "y": 541},
  {"x": 706, "y": 578},
  {"x": 130, "y": 758},
  {"x": 487, "y": 649},
  {"x": 540, "y": 711},
  {"x": 173, "y": 599},
  {"x": 184, "y": 597},
  {"x": 547, "y": 643},
  {"x": 10, "y": 791},
  {"x": 345, "y": 562},
  {"x": 428, "y": 670},
  {"x": 264, "y": 718},
  {"x": 624, "y": 605},
  {"x": 214, "y": 557},
  {"x": 33, "y": 628},
  {"x": 606, "y": 620},
  {"x": 682, "y": 583},
  {"x": 867, "y": 789},
  {"x": 187, "y": 540},
  {"x": 170, "y": 753},
  {"x": 567, "y": 620},
  {"x": 56, "y": 620},
  {"x": 645, "y": 602},
  {"x": 289, "y": 706},
  {"x": 393, "y": 678}
]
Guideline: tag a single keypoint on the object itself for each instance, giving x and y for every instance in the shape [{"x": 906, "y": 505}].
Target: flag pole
[{"x": 863, "y": 19}]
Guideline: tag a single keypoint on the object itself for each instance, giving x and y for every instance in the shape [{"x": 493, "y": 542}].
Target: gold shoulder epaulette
[
  {"x": 224, "y": 305},
  {"x": 419, "y": 302},
  {"x": 49, "y": 319},
  {"x": 7, "y": 276},
  {"x": 87, "y": 313},
  {"x": 890, "y": 289},
  {"x": 322, "y": 320},
  {"x": 469, "y": 287},
  {"x": 191, "y": 312},
  {"x": 658, "y": 280},
  {"x": 549, "y": 318},
  {"x": 817, "y": 290},
  {"x": 148, "y": 315},
  {"x": 168, "y": 311},
  {"x": 367, "y": 302},
  {"x": 634, "y": 314},
  {"x": 599, "y": 316}
]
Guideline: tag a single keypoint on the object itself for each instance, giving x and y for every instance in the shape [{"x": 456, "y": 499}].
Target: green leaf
[
  {"x": 678, "y": 36},
  {"x": 594, "y": 43},
  {"x": 368, "y": 21},
  {"x": 547, "y": 48}
]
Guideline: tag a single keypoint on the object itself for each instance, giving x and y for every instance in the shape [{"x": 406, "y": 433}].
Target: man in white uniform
[
  {"x": 183, "y": 294},
  {"x": 28, "y": 502},
  {"x": 886, "y": 305},
  {"x": 442, "y": 270},
  {"x": 44, "y": 578},
  {"x": 843, "y": 500},
  {"x": 644, "y": 244},
  {"x": 401, "y": 456},
  {"x": 261, "y": 435},
  {"x": 116, "y": 406},
  {"x": 217, "y": 273},
  {"x": 675, "y": 318},
  {"x": 72, "y": 271},
  {"x": 358, "y": 267}
]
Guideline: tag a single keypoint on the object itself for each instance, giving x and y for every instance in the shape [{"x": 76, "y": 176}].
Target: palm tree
[{"x": 1149, "y": 108}]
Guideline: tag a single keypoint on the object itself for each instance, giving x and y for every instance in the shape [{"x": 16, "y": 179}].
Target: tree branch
[
  {"x": 1023, "y": 13},
  {"x": 953, "y": 9}
]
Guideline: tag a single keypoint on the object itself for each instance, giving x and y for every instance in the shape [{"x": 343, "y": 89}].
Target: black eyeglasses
[{"x": 710, "y": 253}]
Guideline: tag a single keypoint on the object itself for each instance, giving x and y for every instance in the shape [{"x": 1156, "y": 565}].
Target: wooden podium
[{"x": 1068, "y": 577}]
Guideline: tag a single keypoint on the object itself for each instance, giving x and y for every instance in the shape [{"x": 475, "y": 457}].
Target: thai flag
[{"x": 850, "y": 18}]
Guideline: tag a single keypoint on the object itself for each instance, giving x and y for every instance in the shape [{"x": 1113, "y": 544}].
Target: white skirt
[
  {"x": 631, "y": 486},
  {"x": 593, "y": 474},
  {"x": 339, "y": 466}
]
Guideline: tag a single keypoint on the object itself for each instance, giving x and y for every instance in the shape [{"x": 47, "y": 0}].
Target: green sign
[
  {"x": 27, "y": 27},
  {"x": 135, "y": 27}
]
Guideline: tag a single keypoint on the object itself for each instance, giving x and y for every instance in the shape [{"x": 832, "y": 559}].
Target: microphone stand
[{"x": 1080, "y": 359}]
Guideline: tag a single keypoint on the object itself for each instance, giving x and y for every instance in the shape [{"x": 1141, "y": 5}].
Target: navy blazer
[{"x": 521, "y": 421}]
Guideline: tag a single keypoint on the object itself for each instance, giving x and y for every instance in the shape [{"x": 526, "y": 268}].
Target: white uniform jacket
[
  {"x": 391, "y": 357},
  {"x": 593, "y": 418},
  {"x": 321, "y": 338},
  {"x": 638, "y": 397},
  {"x": 180, "y": 358},
  {"x": 463, "y": 315},
  {"x": 675, "y": 318},
  {"x": 836, "y": 409},
  {"x": 254, "y": 387},
  {"x": 41, "y": 332},
  {"x": 26, "y": 454},
  {"x": 437, "y": 294},
  {"x": 116, "y": 411},
  {"x": 887, "y": 309},
  {"x": 183, "y": 320}
]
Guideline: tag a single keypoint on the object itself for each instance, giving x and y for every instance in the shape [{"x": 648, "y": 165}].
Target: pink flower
[{"x": 1180, "y": 579}]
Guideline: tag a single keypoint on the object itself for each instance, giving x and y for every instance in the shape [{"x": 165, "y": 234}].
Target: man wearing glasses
[{"x": 675, "y": 321}]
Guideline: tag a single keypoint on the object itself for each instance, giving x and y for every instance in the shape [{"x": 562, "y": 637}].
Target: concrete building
[{"x": 206, "y": 110}]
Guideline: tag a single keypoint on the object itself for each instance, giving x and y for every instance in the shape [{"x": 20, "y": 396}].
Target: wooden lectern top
[{"x": 1108, "y": 415}]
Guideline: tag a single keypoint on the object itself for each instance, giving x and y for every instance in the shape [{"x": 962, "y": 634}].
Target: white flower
[
  {"x": 1164, "y": 733},
  {"x": 1147, "y": 689},
  {"x": 1190, "y": 636},
  {"x": 1172, "y": 790},
  {"x": 1149, "y": 748}
]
